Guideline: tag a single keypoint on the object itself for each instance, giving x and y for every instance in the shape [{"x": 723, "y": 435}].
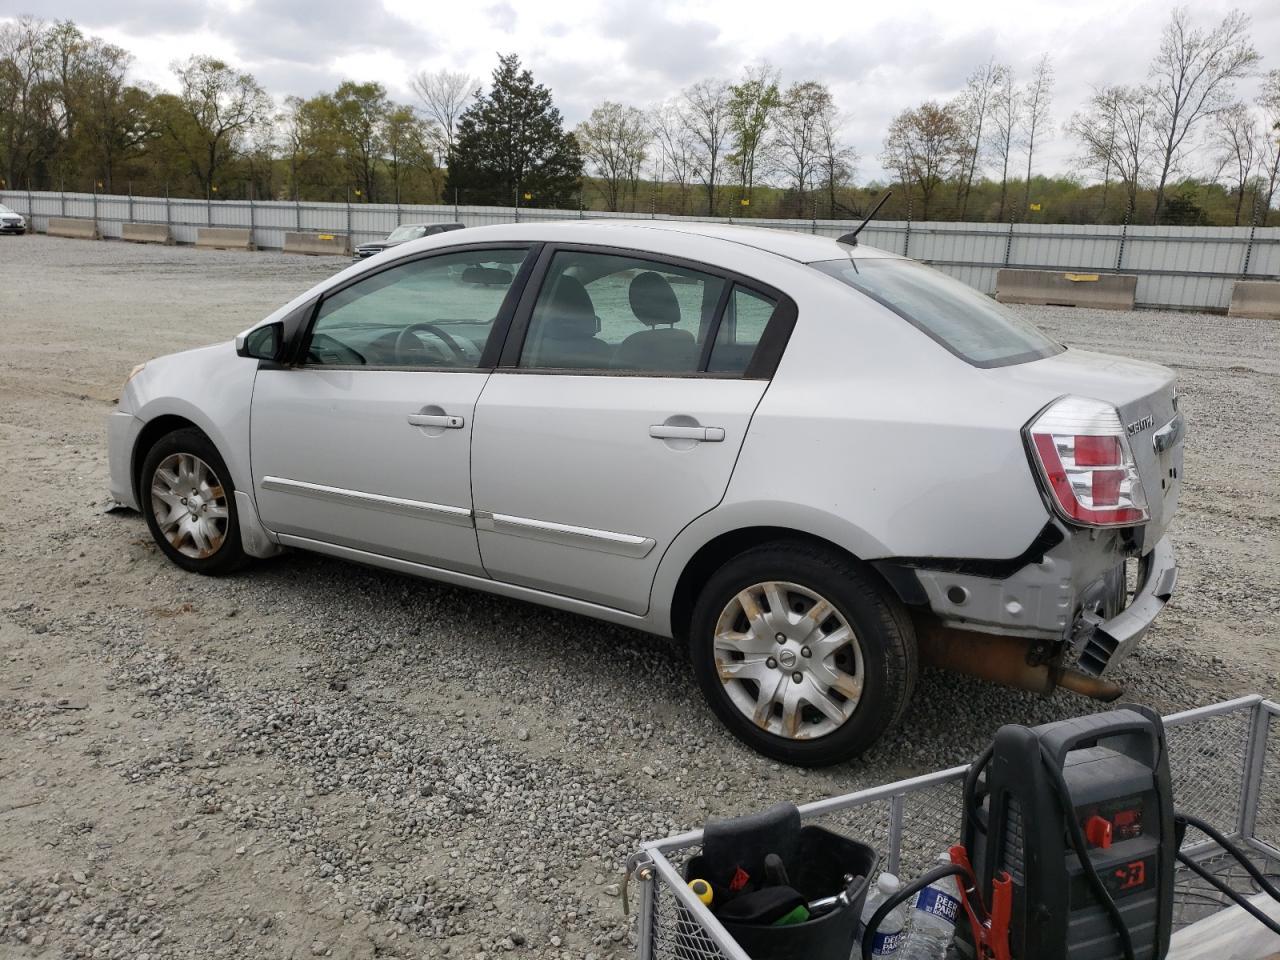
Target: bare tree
[
  {"x": 1006, "y": 109},
  {"x": 444, "y": 94},
  {"x": 798, "y": 139},
  {"x": 614, "y": 140},
  {"x": 977, "y": 103},
  {"x": 1235, "y": 137},
  {"x": 926, "y": 146},
  {"x": 836, "y": 159},
  {"x": 1269, "y": 139},
  {"x": 1192, "y": 77},
  {"x": 672, "y": 130},
  {"x": 707, "y": 112},
  {"x": 218, "y": 106},
  {"x": 752, "y": 104},
  {"x": 1036, "y": 102},
  {"x": 1114, "y": 132}
]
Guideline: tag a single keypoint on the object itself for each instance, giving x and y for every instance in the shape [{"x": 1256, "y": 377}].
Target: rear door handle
[
  {"x": 436, "y": 420},
  {"x": 665, "y": 431}
]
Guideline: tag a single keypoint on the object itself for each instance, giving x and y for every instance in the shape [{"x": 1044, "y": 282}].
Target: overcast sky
[{"x": 877, "y": 57}]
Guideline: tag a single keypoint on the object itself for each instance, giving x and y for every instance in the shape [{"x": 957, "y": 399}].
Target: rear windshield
[{"x": 972, "y": 326}]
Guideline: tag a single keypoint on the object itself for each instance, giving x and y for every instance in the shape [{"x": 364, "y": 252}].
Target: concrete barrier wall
[
  {"x": 145, "y": 232},
  {"x": 331, "y": 244},
  {"x": 224, "y": 238},
  {"x": 1106, "y": 291},
  {"x": 1259, "y": 299},
  {"x": 73, "y": 227}
]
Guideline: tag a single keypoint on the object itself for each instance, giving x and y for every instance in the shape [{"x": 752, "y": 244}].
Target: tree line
[{"x": 1178, "y": 147}]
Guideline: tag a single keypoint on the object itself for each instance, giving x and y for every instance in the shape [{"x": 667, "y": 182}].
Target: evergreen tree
[{"x": 511, "y": 142}]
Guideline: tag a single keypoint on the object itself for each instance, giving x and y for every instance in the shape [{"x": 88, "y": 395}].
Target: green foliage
[{"x": 511, "y": 142}]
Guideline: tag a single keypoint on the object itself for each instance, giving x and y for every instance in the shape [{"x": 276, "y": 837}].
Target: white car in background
[
  {"x": 815, "y": 462},
  {"x": 11, "y": 221}
]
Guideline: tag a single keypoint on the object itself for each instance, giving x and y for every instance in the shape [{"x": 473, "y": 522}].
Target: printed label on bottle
[
  {"x": 938, "y": 903},
  {"x": 886, "y": 944}
]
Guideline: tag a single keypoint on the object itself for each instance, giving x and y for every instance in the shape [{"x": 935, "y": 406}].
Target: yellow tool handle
[{"x": 702, "y": 890}]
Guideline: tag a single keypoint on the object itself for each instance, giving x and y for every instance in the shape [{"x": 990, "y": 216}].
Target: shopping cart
[{"x": 1225, "y": 763}]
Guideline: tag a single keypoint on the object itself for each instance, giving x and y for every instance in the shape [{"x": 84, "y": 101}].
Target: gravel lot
[{"x": 316, "y": 759}]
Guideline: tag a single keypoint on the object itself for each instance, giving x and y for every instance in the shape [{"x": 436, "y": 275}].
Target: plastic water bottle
[
  {"x": 889, "y": 936},
  {"x": 933, "y": 919}
]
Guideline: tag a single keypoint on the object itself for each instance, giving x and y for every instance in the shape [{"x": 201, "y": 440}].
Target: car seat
[
  {"x": 655, "y": 305},
  {"x": 569, "y": 329}
]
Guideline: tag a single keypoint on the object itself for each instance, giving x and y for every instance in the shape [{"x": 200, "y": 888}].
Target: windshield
[
  {"x": 972, "y": 326},
  {"x": 405, "y": 233}
]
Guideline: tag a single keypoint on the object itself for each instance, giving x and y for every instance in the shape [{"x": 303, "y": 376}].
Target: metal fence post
[
  {"x": 297, "y": 212},
  {"x": 64, "y": 197},
  {"x": 168, "y": 207},
  {"x": 1124, "y": 233},
  {"x": 208, "y": 205},
  {"x": 455, "y": 204},
  {"x": 252, "y": 218},
  {"x": 1253, "y": 228},
  {"x": 31, "y": 210},
  {"x": 95, "y": 201},
  {"x": 1008, "y": 242},
  {"x": 348, "y": 210},
  {"x": 906, "y": 242}
]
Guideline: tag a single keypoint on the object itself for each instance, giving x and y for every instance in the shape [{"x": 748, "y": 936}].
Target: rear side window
[
  {"x": 746, "y": 316},
  {"x": 621, "y": 313},
  {"x": 972, "y": 326}
]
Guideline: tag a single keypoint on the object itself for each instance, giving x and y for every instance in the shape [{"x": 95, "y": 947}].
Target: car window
[
  {"x": 745, "y": 317},
  {"x": 606, "y": 312},
  {"x": 969, "y": 324},
  {"x": 436, "y": 312}
]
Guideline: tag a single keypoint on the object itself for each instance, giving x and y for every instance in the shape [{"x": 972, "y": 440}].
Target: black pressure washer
[{"x": 1069, "y": 843}]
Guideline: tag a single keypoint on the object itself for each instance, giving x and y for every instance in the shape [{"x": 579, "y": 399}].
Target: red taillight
[{"x": 1080, "y": 448}]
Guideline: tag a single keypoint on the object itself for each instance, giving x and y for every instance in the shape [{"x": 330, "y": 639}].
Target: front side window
[
  {"x": 607, "y": 312},
  {"x": 972, "y": 326},
  {"x": 436, "y": 312}
]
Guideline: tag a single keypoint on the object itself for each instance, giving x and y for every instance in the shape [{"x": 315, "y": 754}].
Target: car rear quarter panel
[{"x": 874, "y": 437}]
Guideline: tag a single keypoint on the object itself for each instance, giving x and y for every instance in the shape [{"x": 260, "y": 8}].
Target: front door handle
[
  {"x": 436, "y": 420},
  {"x": 667, "y": 431}
]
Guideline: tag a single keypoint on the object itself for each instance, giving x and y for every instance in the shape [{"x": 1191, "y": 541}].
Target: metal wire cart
[{"x": 1225, "y": 763}]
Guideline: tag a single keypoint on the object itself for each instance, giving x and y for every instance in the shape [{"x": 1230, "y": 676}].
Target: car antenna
[{"x": 852, "y": 238}]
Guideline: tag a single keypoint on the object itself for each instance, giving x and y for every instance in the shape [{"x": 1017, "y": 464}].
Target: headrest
[
  {"x": 652, "y": 299},
  {"x": 490, "y": 276},
  {"x": 570, "y": 315}
]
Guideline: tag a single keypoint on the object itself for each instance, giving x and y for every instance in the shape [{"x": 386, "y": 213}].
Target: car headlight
[{"x": 134, "y": 372}]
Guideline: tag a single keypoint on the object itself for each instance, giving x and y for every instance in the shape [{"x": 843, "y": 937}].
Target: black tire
[
  {"x": 881, "y": 623},
  {"x": 229, "y": 554}
]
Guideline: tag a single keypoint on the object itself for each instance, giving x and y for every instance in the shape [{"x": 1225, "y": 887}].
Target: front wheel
[
  {"x": 801, "y": 653},
  {"x": 189, "y": 502}
]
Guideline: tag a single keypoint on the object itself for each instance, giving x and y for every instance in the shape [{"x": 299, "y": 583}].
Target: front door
[
  {"x": 366, "y": 443},
  {"x": 619, "y": 425}
]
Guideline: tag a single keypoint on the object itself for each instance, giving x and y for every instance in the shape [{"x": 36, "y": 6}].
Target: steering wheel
[{"x": 402, "y": 342}]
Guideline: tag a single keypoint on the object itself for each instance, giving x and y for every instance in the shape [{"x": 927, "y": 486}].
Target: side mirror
[{"x": 262, "y": 343}]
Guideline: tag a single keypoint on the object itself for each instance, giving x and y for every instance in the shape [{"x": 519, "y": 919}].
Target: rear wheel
[
  {"x": 189, "y": 503},
  {"x": 802, "y": 653}
]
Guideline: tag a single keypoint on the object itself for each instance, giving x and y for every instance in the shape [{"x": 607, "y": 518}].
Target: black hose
[
  {"x": 971, "y": 800},
  {"x": 902, "y": 896},
  {"x": 1100, "y": 892},
  {"x": 1222, "y": 887},
  {"x": 1228, "y": 847}
]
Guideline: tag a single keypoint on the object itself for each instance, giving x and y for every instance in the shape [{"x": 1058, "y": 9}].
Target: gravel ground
[{"x": 316, "y": 759}]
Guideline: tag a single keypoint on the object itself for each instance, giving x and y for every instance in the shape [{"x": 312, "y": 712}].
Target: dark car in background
[
  {"x": 11, "y": 221},
  {"x": 403, "y": 234}
]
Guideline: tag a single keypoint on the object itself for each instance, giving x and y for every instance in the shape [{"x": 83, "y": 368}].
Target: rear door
[
  {"x": 626, "y": 390},
  {"x": 366, "y": 443}
]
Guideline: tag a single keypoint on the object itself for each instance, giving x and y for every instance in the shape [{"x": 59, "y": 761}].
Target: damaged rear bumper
[{"x": 1109, "y": 642}]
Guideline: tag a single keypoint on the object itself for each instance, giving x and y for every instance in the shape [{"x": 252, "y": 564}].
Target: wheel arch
[
  {"x": 701, "y": 549},
  {"x": 148, "y": 437}
]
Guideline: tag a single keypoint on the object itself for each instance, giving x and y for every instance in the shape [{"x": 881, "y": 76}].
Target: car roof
[{"x": 791, "y": 244}]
